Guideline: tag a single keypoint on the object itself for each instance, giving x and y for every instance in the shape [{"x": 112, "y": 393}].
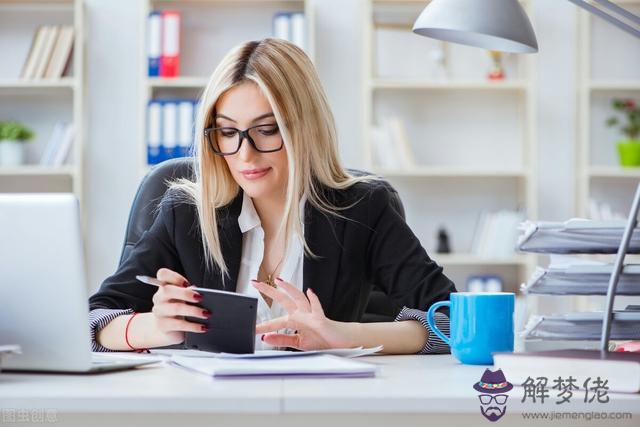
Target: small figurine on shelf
[
  {"x": 438, "y": 59},
  {"x": 497, "y": 68},
  {"x": 629, "y": 148},
  {"x": 444, "y": 246},
  {"x": 13, "y": 135}
]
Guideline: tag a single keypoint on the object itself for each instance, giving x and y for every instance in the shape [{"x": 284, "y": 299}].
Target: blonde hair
[{"x": 288, "y": 79}]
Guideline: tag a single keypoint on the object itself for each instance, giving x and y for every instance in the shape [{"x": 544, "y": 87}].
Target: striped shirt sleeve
[
  {"x": 98, "y": 319},
  {"x": 434, "y": 344}
]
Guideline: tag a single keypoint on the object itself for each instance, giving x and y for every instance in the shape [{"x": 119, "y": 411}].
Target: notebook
[{"x": 315, "y": 365}]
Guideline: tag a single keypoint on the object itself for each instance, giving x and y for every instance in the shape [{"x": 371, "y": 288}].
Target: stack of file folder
[
  {"x": 583, "y": 326},
  {"x": 576, "y": 236},
  {"x": 582, "y": 280},
  {"x": 577, "y": 276}
]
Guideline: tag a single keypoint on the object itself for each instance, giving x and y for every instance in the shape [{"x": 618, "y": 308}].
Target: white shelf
[
  {"x": 49, "y": 100},
  {"x": 63, "y": 83},
  {"x": 613, "y": 85},
  {"x": 400, "y": 83},
  {"x": 36, "y": 170},
  {"x": 602, "y": 184},
  {"x": 474, "y": 260},
  {"x": 614, "y": 172},
  {"x": 436, "y": 111},
  {"x": 177, "y": 82},
  {"x": 449, "y": 172}
]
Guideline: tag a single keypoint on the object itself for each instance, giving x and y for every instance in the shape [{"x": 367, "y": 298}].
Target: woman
[{"x": 271, "y": 213}]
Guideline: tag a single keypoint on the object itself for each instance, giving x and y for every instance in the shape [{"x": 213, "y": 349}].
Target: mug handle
[{"x": 432, "y": 323}]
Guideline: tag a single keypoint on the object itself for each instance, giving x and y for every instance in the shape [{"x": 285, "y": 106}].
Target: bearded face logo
[{"x": 493, "y": 387}]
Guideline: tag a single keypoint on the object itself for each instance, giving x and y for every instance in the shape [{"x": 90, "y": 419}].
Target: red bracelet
[{"x": 126, "y": 336}]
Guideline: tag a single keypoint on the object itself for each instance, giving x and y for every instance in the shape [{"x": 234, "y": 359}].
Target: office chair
[{"x": 152, "y": 188}]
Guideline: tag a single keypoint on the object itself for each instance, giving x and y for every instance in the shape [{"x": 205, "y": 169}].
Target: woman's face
[{"x": 259, "y": 174}]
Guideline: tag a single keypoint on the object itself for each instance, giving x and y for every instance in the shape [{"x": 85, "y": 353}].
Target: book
[
  {"x": 59, "y": 129},
  {"x": 298, "y": 29},
  {"x": 315, "y": 365},
  {"x": 51, "y": 35},
  {"x": 61, "y": 53},
  {"x": 384, "y": 154},
  {"x": 620, "y": 369},
  {"x": 63, "y": 149},
  {"x": 400, "y": 142},
  {"x": 29, "y": 66},
  {"x": 170, "y": 56},
  {"x": 282, "y": 25},
  {"x": 154, "y": 43}
]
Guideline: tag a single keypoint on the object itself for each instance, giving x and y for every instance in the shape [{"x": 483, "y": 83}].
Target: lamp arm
[{"x": 607, "y": 13}]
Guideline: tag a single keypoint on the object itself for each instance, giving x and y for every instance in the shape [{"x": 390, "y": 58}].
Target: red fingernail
[
  {"x": 198, "y": 297},
  {"x": 203, "y": 328},
  {"x": 206, "y": 313},
  {"x": 262, "y": 337},
  {"x": 185, "y": 284},
  {"x": 280, "y": 278}
]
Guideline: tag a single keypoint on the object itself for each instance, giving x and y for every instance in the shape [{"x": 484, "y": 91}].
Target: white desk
[{"x": 409, "y": 390}]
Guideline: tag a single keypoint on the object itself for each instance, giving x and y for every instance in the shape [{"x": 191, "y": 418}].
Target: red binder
[{"x": 170, "y": 57}]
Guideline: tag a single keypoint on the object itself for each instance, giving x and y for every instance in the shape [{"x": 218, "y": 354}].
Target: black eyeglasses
[{"x": 227, "y": 140}]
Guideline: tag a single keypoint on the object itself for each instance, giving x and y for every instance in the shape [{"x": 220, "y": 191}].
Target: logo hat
[{"x": 493, "y": 383}]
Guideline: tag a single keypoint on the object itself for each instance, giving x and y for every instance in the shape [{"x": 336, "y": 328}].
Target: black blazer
[{"x": 373, "y": 245}]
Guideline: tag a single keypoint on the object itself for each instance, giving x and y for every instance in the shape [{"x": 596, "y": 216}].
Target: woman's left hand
[{"x": 314, "y": 331}]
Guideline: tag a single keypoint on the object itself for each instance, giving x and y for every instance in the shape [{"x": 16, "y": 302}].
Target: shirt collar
[{"x": 249, "y": 219}]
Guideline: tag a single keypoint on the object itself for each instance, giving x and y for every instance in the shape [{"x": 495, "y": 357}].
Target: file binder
[
  {"x": 154, "y": 43},
  {"x": 169, "y": 129},
  {"x": 170, "y": 58},
  {"x": 154, "y": 132}
]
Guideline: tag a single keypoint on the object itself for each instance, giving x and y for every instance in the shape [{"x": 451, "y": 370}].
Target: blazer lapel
[{"x": 324, "y": 235}]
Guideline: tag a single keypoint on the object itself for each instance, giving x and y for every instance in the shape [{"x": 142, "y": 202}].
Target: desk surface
[{"x": 404, "y": 384}]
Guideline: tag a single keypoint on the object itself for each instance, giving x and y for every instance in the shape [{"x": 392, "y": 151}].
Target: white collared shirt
[{"x": 252, "y": 254}]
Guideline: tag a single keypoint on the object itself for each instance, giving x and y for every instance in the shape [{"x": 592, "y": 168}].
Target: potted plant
[
  {"x": 629, "y": 148},
  {"x": 13, "y": 135}
]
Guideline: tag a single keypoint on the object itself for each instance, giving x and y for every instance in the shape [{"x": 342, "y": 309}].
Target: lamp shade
[{"x": 500, "y": 25}]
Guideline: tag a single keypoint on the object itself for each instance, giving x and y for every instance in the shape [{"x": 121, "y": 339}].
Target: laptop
[{"x": 43, "y": 291}]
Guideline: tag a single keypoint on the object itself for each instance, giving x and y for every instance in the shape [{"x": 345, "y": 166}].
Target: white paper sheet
[
  {"x": 313, "y": 365},
  {"x": 262, "y": 354}
]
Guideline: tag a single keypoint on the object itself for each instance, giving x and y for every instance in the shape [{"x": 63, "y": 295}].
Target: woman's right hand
[{"x": 170, "y": 306}]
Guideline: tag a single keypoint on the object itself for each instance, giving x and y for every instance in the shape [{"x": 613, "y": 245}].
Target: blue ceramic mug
[{"x": 480, "y": 324}]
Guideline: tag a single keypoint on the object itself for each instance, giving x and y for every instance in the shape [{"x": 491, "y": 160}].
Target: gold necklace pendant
[{"x": 270, "y": 281}]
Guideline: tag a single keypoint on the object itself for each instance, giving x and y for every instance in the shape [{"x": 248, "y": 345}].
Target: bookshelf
[
  {"x": 608, "y": 68},
  {"x": 473, "y": 138},
  {"x": 40, "y": 103},
  {"x": 212, "y": 26}
]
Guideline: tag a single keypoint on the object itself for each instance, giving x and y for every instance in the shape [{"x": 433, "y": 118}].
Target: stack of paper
[
  {"x": 582, "y": 280},
  {"x": 576, "y": 236},
  {"x": 311, "y": 365},
  {"x": 583, "y": 326}
]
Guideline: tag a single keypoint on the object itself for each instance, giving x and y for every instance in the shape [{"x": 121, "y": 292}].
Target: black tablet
[{"x": 232, "y": 325}]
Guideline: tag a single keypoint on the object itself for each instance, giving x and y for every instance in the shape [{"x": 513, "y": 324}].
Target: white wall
[{"x": 113, "y": 150}]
